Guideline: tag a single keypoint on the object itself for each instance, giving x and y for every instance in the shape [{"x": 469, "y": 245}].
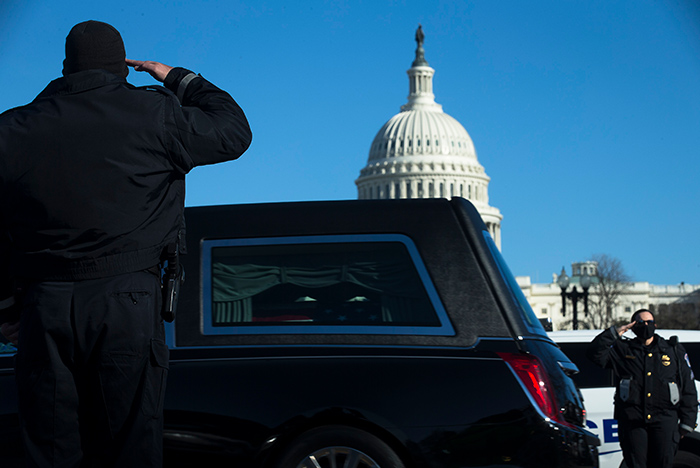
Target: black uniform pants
[
  {"x": 649, "y": 445},
  {"x": 91, "y": 369}
]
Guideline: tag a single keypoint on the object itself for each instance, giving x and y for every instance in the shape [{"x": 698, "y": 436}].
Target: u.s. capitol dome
[{"x": 422, "y": 152}]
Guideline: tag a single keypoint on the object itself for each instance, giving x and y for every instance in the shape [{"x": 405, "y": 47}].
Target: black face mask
[{"x": 644, "y": 331}]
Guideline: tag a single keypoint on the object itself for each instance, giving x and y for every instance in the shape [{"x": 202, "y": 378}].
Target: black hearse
[{"x": 385, "y": 333}]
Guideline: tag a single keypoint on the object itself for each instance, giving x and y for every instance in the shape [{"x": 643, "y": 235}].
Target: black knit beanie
[{"x": 93, "y": 44}]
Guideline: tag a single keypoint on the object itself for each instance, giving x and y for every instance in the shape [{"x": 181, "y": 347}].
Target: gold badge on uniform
[{"x": 665, "y": 360}]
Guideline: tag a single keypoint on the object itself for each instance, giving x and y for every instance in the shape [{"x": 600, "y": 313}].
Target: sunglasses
[{"x": 645, "y": 322}]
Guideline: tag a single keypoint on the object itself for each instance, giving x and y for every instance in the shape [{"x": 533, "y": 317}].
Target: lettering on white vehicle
[{"x": 609, "y": 430}]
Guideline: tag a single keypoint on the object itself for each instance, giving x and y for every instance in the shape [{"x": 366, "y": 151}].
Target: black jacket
[
  {"x": 652, "y": 382},
  {"x": 92, "y": 172}
]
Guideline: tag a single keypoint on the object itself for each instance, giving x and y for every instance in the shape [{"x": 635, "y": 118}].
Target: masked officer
[
  {"x": 655, "y": 400},
  {"x": 92, "y": 176}
]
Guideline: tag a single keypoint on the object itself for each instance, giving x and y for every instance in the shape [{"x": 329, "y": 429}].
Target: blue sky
[{"x": 585, "y": 114}]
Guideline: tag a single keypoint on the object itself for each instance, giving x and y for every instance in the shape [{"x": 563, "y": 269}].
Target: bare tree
[{"x": 610, "y": 284}]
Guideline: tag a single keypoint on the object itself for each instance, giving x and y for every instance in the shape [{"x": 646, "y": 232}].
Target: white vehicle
[{"x": 597, "y": 387}]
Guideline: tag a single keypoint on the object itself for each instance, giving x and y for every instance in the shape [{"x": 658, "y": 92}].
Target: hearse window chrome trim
[{"x": 443, "y": 328}]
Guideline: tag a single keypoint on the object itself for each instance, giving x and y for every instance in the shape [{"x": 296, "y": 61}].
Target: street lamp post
[{"x": 574, "y": 295}]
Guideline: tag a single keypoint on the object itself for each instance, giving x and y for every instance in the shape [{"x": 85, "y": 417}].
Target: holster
[{"x": 173, "y": 277}]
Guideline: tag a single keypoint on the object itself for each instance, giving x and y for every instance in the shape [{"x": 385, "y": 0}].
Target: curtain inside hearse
[{"x": 403, "y": 298}]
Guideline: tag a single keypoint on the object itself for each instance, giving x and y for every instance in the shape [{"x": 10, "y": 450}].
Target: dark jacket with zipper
[
  {"x": 92, "y": 172},
  {"x": 652, "y": 382}
]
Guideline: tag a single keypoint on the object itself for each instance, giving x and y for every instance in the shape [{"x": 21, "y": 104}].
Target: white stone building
[
  {"x": 422, "y": 152},
  {"x": 545, "y": 298}
]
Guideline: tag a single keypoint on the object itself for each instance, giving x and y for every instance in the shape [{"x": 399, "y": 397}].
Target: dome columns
[
  {"x": 419, "y": 184},
  {"x": 421, "y": 95}
]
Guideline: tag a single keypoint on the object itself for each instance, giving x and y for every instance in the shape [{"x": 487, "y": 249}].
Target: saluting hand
[
  {"x": 156, "y": 69},
  {"x": 621, "y": 330}
]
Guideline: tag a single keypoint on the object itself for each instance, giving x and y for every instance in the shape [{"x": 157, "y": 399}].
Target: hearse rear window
[{"x": 366, "y": 284}]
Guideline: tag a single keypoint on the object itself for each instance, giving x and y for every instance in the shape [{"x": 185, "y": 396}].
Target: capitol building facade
[
  {"x": 545, "y": 300},
  {"x": 422, "y": 152}
]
